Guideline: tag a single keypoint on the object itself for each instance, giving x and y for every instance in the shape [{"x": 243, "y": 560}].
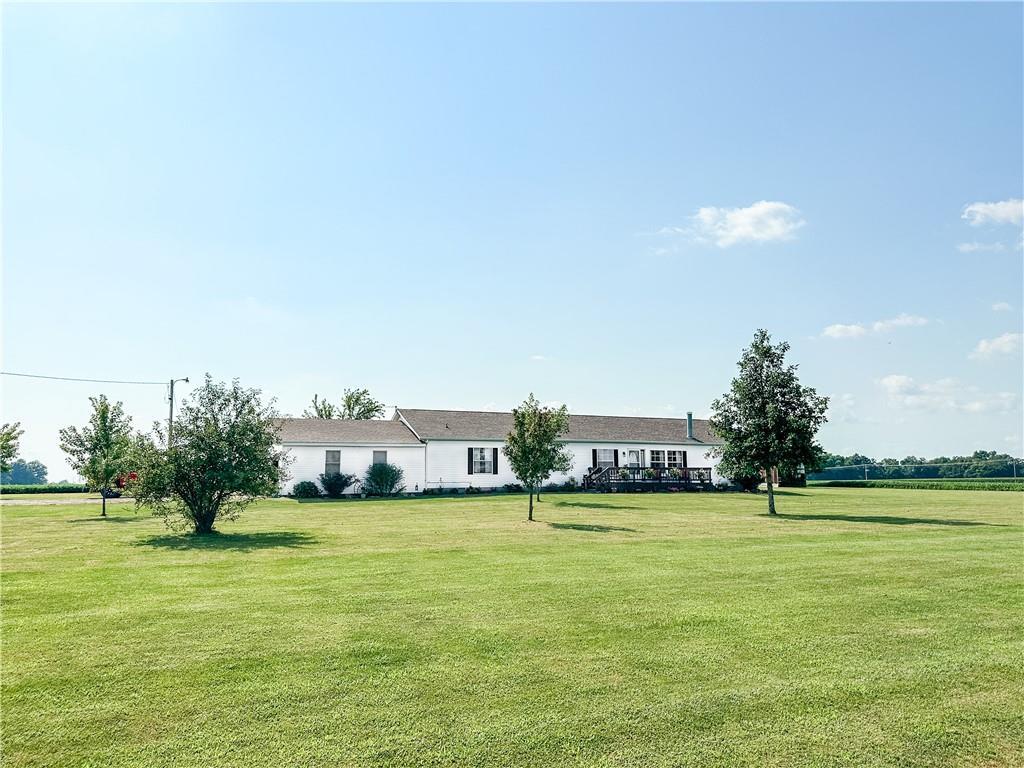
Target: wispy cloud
[
  {"x": 1001, "y": 306},
  {"x": 902, "y": 320},
  {"x": 539, "y": 358},
  {"x": 975, "y": 247},
  {"x": 840, "y": 331},
  {"x": 856, "y": 330},
  {"x": 762, "y": 222},
  {"x": 1007, "y": 344},
  {"x": 1003, "y": 212},
  {"x": 943, "y": 395}
]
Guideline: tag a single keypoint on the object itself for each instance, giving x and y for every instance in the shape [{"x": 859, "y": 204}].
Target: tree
[
  {"x": 533, "y": 448},
  {"x": 355, "y": 404},
  {"x": 101, "y": 451},
  {"x": 9, "y": 434},
  {"x": 768, "y": 419},
  {"x": 223, "y": 456},
  {"x": 321, "y": 409},
  {"x": 25, "y": 473}
]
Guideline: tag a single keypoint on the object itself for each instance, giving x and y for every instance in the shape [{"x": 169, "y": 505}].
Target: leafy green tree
[
  {"x": 101, "y": 451},
  {"x": 25, "y": 473},
  {"x": 321, "y": 409},
  {"x": 534, "y": 448},
  {"x": 355, "y": 404},
  {"x": 768, "y": 419},
  {"x": 224, "y": 455},
  {"x": 9, "y": 435}
]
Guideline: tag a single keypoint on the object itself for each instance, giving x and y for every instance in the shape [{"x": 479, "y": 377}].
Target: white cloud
[
  {"x": 1004, "y": 212},
  {"x": 539, "y": 358},
  {"x": 764, "y": 221},
  {"x": 1006, "y": 344},
  {"x": 981, "y": 247},
  {"x": 901, "y": 320},
  {"x": 856, "y": 330},
  {"x": 1001, "y": 306},
  {"x": 943, "y": 395},
  {"x": 840, "y": 331}
]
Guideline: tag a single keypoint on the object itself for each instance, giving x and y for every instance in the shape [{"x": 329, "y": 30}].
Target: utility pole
[{"x": 170, "y": 415}]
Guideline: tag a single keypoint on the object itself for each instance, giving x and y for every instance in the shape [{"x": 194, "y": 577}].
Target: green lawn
[{"x": 863, "y": 627}]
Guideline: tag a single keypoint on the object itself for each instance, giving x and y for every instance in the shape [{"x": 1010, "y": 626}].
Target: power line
[{"x": 91, "y": 381}]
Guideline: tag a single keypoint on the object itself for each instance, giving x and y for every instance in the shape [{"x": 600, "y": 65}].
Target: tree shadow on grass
[
  {"x": 887, "y": 520},
  {"x": 594, "y": 505},
  {"x": 237, "y": 542},
  {"x": 594, "y": 528}
]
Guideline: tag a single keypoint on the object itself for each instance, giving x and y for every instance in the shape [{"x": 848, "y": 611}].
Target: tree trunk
[
  {"x": 771, "y": 493},
  {"x": 530, "y": 518},
  {"x": 103, "y": 511}
]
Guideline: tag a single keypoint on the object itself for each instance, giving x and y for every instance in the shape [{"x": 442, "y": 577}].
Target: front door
[{"x": 633, "y": 458}]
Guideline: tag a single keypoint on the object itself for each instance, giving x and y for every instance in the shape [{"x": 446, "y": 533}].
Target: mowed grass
[{"x": 863, "y": 627}]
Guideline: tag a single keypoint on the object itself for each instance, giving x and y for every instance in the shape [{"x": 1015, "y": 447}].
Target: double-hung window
[
  {"x": 677, "y": 459},
  {"x": 658, "y": 459},
  {"x": 483, "y": 461},
  {"x": 605, "y": 457},
  {"x": 332, "y": 462},
  {"x": 380, "y": 457}
]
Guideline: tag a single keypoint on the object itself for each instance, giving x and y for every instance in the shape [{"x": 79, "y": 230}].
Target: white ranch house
[{"x": 459, "y": 449}]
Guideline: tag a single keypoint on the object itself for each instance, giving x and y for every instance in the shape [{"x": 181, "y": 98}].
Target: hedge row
[
  {"x": 45, "y": 488},
  {"x": 978, "y": 484}
]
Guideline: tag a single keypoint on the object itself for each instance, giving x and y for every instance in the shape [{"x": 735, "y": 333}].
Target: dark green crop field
[{"x": 868, "y": 627}]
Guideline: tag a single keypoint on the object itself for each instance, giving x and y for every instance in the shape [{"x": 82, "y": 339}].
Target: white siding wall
[
  {"x": 447, "y": 461},
  {"x": 308, "y": 462}
]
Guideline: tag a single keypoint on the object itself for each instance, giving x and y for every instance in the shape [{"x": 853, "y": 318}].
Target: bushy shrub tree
[
  {"x": 223, "y": 456},
  {"x": 336, "y": 483},
  {"x": 306, "y": 489},
  {"x": 383, "y": 480}
]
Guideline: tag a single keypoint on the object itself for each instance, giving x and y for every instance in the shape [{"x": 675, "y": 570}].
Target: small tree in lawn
[
  {"x": 223, "y": 456},
  {"x": 9, "y": 434},
  {"x": 101, "y": 451},
  {"x": 767, "y": 419},
  {"x": 534, "y": 448}
]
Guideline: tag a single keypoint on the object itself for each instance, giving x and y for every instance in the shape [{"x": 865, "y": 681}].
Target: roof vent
[{"x": 689, "y": 425}]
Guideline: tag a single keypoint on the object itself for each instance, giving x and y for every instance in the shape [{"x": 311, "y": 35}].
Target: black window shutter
[
  {"x": 684, "y": 459},
  {"x": 469, "y": 468},
  {"x": 615, "y": 453},
  {"x": 594, "y": 465},
  {"x": 494, "y": 461}
]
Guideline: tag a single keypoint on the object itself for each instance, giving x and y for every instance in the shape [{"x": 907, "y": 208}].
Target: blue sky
[{"x": 456, "y": 205}]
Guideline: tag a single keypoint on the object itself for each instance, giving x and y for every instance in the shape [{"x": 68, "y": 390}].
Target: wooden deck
[{"x": 648, "y": 479}]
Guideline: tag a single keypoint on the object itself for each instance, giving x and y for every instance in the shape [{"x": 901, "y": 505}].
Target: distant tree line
[
  {"x": 24, "y": 473},
  {"x": 834, "y": 466}
]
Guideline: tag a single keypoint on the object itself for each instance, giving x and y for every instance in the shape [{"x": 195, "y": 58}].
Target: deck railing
[{"x": 647, "y": 478}]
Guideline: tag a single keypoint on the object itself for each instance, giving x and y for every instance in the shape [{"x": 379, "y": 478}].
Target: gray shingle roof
[
  {"x": 490, "y": 425},
  {"x": 342, "y": 431}
]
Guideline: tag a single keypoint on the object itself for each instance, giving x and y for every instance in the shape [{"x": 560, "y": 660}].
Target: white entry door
[{"x": 633, "y": 458}]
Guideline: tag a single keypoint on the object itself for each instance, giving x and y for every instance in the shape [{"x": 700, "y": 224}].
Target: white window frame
[
  {"x": 328, "y": 463},
  {"x": 658, "y": 458},
  {"x": 609, "y": 460},
  {"x": 483, "y": 461},
  {"x": 678, "y": 461},
  {"x": 373, "y": 458}
]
